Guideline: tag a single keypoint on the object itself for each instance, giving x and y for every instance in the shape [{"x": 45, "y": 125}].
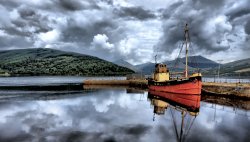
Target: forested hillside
[{"x": 42, "y": 61}]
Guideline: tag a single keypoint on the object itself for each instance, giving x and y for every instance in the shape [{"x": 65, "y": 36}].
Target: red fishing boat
[{"x": 185, "y": 84}]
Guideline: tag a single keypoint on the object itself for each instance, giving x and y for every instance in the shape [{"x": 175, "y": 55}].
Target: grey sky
[{"x": 133, "y": 30}]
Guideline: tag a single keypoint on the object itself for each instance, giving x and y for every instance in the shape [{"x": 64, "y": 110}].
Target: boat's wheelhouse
[{"x": 161, "y": 73}]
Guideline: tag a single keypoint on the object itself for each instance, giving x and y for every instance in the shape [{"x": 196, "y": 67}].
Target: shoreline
[{"x": 228, "y": 90}]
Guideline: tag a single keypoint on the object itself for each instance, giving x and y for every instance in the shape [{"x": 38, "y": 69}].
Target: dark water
[{"x": 113, "y": 114}]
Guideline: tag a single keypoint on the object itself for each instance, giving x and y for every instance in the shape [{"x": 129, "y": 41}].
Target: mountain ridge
[
  {"x": 235, "y": 68},
  {"x": 126, "y": 64},
  {"x": 179, "y": 64}
]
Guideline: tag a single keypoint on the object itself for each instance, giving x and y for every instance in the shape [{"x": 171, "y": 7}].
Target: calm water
[
  {"x": 47, "y": 80},
  {"x": 112, "y": 114}
]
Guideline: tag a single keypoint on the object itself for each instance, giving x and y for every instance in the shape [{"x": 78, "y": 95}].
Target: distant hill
[
  {"x": 179, "y": 64},
  {"x": 125, "y": 64},
  {"x": 146, "y": 68},
  {"x": 199, "y": 62},
  {"x": 149, "y": 68},
  {"x": 236, "y": 68},
  {"x": 140, "y": 66},
  {"x": 43, "y": 61}
]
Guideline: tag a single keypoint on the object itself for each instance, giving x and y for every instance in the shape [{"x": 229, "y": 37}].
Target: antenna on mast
[{"x": 156, "y": 59}]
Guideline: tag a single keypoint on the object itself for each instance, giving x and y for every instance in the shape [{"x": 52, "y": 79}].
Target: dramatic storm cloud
[
  {"x": 215, "y": 27},
  {"x": 132, "y": 30}
]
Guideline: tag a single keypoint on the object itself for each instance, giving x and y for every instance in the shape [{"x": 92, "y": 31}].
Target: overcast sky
[{"x": 133, "y": 30}]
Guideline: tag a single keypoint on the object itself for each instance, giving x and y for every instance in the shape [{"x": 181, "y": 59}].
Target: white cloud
[
  {"x": 14, "y": 14},
  {"x": 124, "y": 3},
  {"x": 100, "y": 41},
  {"x": 138, "y": 46},
  {"x": 50, "y": 36},
  {"x": 125, "y": 46},
  {"x": 152, "y": 4},
  {"x": 2, "y": 33}
]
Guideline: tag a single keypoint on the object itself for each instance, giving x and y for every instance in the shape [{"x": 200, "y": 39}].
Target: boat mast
[{"x": 186, "y": 42}]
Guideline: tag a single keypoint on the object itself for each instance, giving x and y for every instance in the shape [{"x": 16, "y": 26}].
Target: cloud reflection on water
[{"x": 108, "y": 115}]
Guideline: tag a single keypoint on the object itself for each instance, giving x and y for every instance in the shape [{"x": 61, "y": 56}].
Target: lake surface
[
  {"x": 52, "y": 80},
  {"x": 113, "y": 114},
  {"x": 49, "y": 80}
]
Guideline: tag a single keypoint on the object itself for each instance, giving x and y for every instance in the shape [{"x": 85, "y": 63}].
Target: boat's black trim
[{"x": 174, "y": 82}]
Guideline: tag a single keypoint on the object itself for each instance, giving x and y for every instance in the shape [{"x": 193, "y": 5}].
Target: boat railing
[{"x": 173, "y": 73}]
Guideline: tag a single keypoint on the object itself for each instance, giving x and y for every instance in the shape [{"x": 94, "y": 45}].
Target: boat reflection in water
[{"x": 185, "y": 106}]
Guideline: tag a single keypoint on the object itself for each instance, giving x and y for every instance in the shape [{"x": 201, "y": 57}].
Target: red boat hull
[
  {"x": 191, "y": 101},
  {"x": 191, "y": 86}
]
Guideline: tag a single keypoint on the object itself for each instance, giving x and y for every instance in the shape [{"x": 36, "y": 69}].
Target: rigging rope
[
  {"x": 189, "y": 128},
  {"x": 178, "y": 56},
  {"x": 188, "y": 123},
  {"x": 175, "y": 127}
]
